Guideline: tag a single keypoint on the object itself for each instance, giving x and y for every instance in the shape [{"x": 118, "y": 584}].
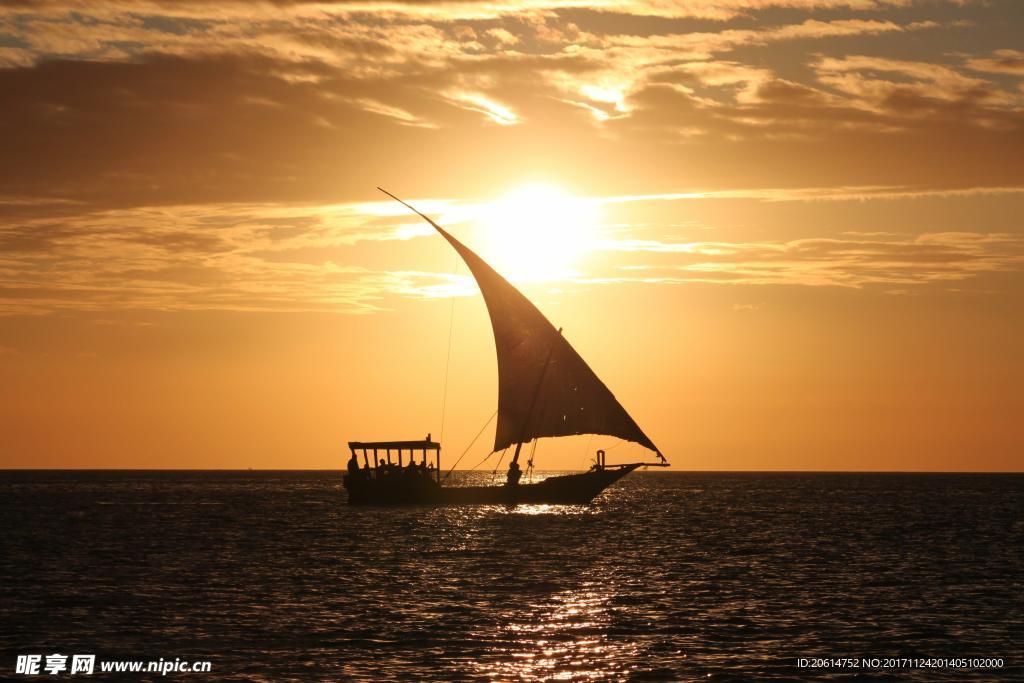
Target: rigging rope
[
  {"x": 586, "y": 451},
  {"x": 448, "y": 358},
  {"x": 471, "y": 444},
  {"x": 529, "y": 463},
  {"x": 485, "y": 460},
  {"x": 498, "y": 464}
]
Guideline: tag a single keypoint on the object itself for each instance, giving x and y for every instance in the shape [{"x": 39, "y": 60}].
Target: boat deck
[{"x": 566, "y": 489}]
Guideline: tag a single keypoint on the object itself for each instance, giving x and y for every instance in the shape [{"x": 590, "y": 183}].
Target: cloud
[
  {"x": 822, "y": 194},
  {"x": 225, "y": 128},
  {"x": 435, "y": 10},
  {"x": 502, "y": 36},
  {"x": 927, "y": 80},
  {"x": 136, "y": 103},
  {"x": 704, "y": 45},
  {"x": 626, "y": 63},
  {"x": 853, "y": 261},
  {"x": 480, "y": 103},
  {"x": 288, "y": 258},
  {"x": 225, "y": 257},
  {"x": 1000, "y": 62},
  {"x": 396, "y": 113}
]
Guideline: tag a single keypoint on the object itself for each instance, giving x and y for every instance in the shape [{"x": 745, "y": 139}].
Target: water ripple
[{"x": 666, "y": 577}]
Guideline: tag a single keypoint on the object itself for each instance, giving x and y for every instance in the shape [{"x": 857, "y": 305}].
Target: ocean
[{"x": 270, "y": 576}]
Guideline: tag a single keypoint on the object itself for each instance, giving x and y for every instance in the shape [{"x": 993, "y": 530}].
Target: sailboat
[{"x": 545, "y": 389}]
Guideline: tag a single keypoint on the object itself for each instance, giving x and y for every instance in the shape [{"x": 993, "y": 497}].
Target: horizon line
[{"x": 342, "y": 471}]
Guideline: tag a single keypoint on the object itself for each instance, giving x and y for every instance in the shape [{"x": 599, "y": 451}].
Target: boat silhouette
[{"x": 545, "y": 389}]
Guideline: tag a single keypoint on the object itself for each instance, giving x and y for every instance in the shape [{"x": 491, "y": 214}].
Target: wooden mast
[{"x": 513, "y": 467}]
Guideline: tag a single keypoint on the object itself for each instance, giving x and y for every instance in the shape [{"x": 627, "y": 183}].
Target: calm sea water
[{"x": 271, "y": 576}]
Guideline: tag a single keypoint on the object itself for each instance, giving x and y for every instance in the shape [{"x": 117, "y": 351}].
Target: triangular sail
[{"x": 561, "y": 399}]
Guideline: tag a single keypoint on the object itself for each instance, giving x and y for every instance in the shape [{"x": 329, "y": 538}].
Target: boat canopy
[
  {"x": 427, "y": 445},
  {"x": 365, "y": 448}
]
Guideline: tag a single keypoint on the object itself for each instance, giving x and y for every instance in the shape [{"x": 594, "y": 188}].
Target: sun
[{"x": 538, "y": 232}]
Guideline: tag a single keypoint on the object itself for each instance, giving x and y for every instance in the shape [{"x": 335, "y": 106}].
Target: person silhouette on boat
[
  {"x": 410, "y": 469},
  {"x": 353, "y": 466},
  {"x": 514, "y": 474}
]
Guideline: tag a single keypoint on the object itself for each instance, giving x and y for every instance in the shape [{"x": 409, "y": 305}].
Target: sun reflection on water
[
  {"x": 564, "y": 637},
  {"x": 543, "y": 509}
]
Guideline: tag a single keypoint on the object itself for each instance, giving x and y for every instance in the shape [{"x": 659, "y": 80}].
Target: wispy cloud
[
  {"x": 854, "y": 76},
  {"x": 852, "y": 260},
  {"x": 823, "y": 194},
  {"x": 478, "y": 102},
  {"x": 1000, "y": 62},
  {"x": 320, "y": 258},
  {"x": 396, "y": 113},
  {"x": 230, "y": 257},
  {"x": 138, "y": 102}
]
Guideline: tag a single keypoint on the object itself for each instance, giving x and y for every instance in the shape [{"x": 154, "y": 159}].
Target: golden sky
[{"x": 786, "y": 233}]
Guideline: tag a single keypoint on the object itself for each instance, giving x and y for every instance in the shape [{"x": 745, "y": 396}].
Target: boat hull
[{"x": 570, "y": 489}]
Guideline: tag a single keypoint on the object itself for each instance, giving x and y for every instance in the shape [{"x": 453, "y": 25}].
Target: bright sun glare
[{"x": 538, "y": 233}]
